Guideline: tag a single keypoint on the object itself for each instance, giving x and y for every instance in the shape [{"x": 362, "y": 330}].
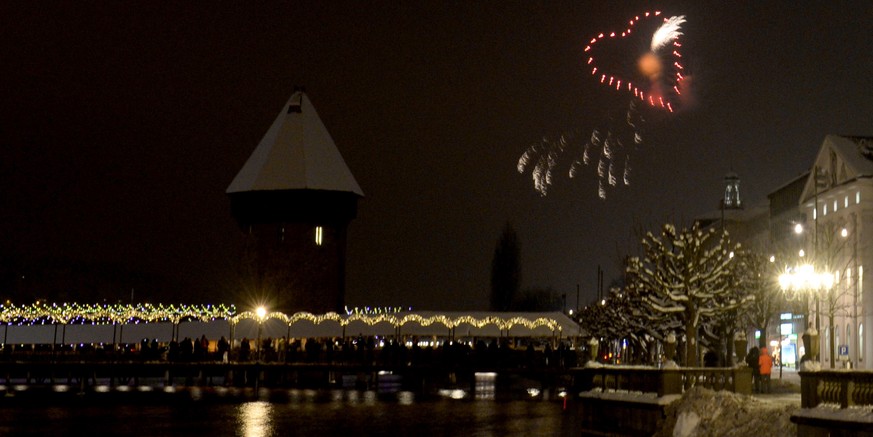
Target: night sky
[{"x": 122, "y": 124}]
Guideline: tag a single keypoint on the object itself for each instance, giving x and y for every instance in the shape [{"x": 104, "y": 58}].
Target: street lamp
[
  {"x": 261, "y": 312},
  {"x": 804, "y": 279}
]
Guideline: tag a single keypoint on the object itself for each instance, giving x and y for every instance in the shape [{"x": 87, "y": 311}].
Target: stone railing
[
  {"x": 665, "y": 381},
  {"x": 846, "y": 388}
]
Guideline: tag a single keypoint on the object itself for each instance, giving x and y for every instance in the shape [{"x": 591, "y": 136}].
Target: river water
[{"x": 343, "y": 413}]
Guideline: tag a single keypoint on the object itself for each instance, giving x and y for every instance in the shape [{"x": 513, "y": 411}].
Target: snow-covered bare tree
[
  {"x": 756, "y": 277},
  {"x": 687, "y": 274},
  {"x": 750, "y": 282},
  {"x": 655, "y": 324},
  {"x": 593, "y": 318},
  {"x": 834, "y": 254},
  {"x": 621, "y": 326}
]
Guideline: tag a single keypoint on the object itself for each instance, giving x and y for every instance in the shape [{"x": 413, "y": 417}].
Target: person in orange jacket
[{"x": 765, "y": 363}]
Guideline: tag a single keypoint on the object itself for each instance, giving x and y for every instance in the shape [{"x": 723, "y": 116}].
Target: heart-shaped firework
[
  {"x": 646, "y": 66},
  {"x": 660, "y": 64}
]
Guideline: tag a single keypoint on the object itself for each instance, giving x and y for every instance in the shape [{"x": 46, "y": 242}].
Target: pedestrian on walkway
[
  {"x": 765, "y": 362},
  {"x": 752, "y": 362}
]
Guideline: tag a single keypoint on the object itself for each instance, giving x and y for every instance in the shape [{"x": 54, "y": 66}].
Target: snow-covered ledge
[
  {"x": 594, "y": 379},
  {"x": 630, "y": 396}
]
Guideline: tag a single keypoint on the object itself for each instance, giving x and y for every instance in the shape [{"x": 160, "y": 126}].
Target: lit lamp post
[
  {"x": 806, "y": 280},
  {"x": 261, "y": 312}
]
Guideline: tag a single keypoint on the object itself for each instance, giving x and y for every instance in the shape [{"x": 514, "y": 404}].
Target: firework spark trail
[
  {"x": 667, "y": 33},
  {"x": 606, "y": 145},
  {"x": 543, "y": 156},
  {"x": 627, "y": 170},
  {"x": 613, "y": 143}
]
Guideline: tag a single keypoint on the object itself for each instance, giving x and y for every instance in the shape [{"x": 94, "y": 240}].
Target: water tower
[{"x": 293, "y": 200}]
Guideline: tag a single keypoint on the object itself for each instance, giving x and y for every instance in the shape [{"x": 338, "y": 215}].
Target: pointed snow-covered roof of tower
[{"x": 296, "y": 153}]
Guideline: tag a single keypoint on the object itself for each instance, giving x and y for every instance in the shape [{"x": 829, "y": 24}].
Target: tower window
[
  {"x": 732, "y": 192},
  {"x": 319, "y": 235}
]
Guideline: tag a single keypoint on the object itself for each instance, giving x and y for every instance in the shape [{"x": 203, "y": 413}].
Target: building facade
[
  {"x": 836, "y": 205},
  {"x": 820, "y": 221}
]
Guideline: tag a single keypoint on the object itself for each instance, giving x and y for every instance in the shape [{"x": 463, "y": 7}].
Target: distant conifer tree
[{"x": 505, "y": 270}]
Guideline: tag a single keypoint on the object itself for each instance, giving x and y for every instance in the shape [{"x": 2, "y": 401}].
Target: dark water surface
[{"x": 339, "y": 413}]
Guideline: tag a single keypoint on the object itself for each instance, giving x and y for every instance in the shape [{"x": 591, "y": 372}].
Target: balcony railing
[{"x": 846, "y": 388}]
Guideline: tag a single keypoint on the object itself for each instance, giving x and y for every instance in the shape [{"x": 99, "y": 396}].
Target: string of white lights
[{"x": 103, "y": 314}]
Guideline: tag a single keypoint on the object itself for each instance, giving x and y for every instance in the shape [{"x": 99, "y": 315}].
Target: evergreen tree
[
  {"x": 505, "y": 270},
  {"x": 756, "y": 277}
]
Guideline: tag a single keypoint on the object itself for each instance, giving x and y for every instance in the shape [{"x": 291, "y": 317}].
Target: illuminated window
[
  {"x": 857, "y": 197},
  {"x": 814, "y": 214},
  {"x": 824, "y": 209},
  {"x": 835, "y": 206},
  {"x": 846, "y": 202},
  {"x": 319, "y": 235}
]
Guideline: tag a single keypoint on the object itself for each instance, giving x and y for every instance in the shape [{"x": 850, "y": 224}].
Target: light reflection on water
[
  {"x": 340, "y": 413},
  {"x": 485, "y": 385},
  {"x": 255, "y": 419}
]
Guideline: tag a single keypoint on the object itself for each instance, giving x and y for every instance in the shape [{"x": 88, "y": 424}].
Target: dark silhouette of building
[{"x": 293, "y": 200}]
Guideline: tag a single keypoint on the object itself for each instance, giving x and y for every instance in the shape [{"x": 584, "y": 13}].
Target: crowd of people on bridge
[
  {"x": 479, "y": 352},
  {"x": 393, "y": 352}
]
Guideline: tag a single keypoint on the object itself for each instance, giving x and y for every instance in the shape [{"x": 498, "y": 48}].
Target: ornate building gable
[{"x": 840, "y": 160}]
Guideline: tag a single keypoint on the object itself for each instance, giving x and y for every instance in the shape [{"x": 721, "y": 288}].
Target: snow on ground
[{"x": 701, "y": 412}]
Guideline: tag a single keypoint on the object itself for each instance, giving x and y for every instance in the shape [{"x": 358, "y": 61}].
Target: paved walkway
[
  {"x": 788, "y": 374},
  {"x": 784, "y": 388}
]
